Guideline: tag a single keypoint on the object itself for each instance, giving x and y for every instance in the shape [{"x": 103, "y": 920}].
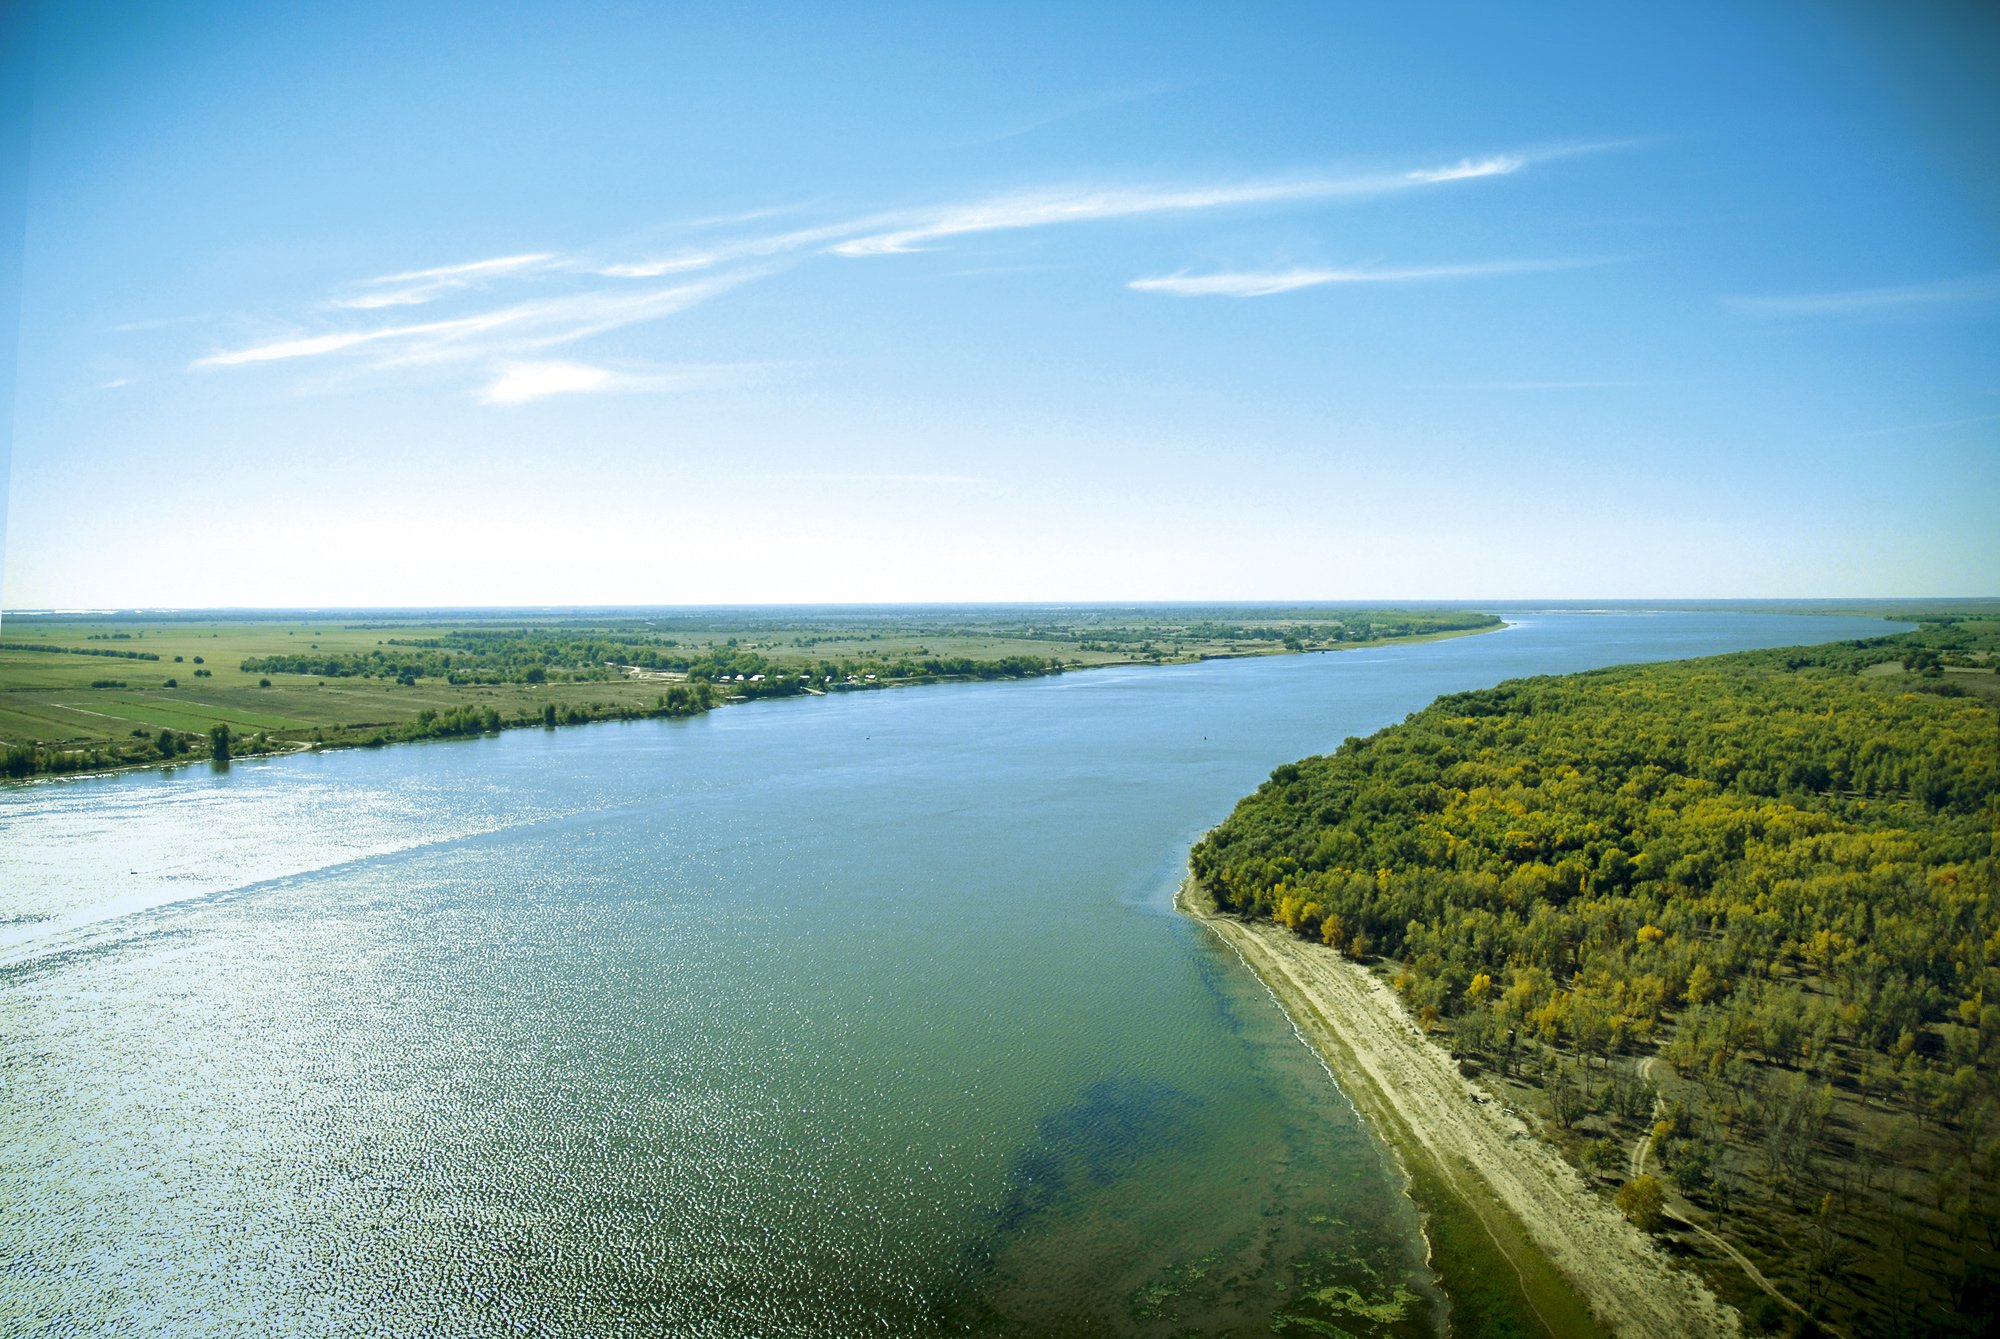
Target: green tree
[
  {"x": 1642, "y": 1201},
  {"x": 218, "y": 742}
]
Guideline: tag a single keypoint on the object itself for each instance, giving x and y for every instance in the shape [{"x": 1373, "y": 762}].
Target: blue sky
[{"x": 419, "y": 304}]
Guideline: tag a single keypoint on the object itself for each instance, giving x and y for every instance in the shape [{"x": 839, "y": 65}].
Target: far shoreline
[{"x": 291, "y": 749}]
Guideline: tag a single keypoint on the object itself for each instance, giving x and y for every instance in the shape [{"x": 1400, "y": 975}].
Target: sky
[{"x": 425, "y": 304}]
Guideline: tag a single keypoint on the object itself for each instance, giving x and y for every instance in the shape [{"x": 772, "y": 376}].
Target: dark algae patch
[{"x": 1091, "y": 1143}]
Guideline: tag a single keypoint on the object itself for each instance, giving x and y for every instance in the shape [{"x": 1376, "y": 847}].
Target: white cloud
[
  {"x": 1904, "y": 297},
  {"x": 608, "y": 293},
  {"x": 414, "y": 287},
  {"x": 523, "y": 381},
  {"x": 306, "y": 347},
  {"x": 746, "y": 248},
  {"x": 526, "y": 325},
  {"x": 653, "y": 269},
  {"x": 470, "y": 269},
  {"x": 1036, "y": 210},
  {"x": 580, "y": 315},
  {"x": 1466, "y": 169},
  {"x": 519, "y": 383},
  {"x": 898, "y": 232},
  {"x": 1264, "y": 283},
  {"x": 311, "y": 346}
]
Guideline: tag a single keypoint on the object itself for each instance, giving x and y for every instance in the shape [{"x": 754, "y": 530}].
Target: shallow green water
[{"x": 859, "y": 1015}]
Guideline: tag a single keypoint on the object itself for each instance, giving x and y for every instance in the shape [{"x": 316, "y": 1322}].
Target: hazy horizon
[
  {"x": 604, "y": 307},
  {"x": 863, "y": 608}
]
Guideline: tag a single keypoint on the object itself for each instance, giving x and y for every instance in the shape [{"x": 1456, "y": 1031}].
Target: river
[{"x": 858, "y": 1015}]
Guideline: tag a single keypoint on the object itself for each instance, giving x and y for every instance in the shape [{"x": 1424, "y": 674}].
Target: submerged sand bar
[{"x": 1479, "y": 1151}]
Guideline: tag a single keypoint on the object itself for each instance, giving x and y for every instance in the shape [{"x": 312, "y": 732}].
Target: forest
[{"x": 1741, "y": 907}]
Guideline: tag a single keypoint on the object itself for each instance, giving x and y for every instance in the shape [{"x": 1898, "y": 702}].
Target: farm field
[{"x": 81, "y": 692}]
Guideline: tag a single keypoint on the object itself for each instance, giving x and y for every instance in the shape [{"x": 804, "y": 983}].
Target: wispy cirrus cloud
[
  {"x": 1468, "y": 169},
  {"x": 1941, "y": 293},
  {"x": 1927, "y": 426},
  {"x": 900, "y": 232},
  {"x": 541, "y": 323},
  {"x": 1265, "y": 283},
  {"x": 723, "y": 253},
  {"x": 312, "y": 346},
  {"x": 415, "y": 287},
  {"x": 590, "y": 292},
  {"x": 1047, "y": 208}
]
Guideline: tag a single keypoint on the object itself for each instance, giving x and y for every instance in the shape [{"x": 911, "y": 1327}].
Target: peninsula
[{"x": 1698, "y": 951}]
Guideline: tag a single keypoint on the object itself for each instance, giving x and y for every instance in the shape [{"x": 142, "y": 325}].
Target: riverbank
[{"x": 1498, "y": 1203}]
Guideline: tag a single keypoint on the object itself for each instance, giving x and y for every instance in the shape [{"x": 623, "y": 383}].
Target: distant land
[{"x": 88, "y": 690}]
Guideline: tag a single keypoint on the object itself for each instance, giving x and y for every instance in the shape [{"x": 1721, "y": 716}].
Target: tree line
[
  {"x": 78, "y": 650},
  {"x": 488, "y": 656}
]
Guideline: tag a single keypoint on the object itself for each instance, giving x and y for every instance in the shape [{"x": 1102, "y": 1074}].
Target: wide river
[{"x": 857, "y": 1015}]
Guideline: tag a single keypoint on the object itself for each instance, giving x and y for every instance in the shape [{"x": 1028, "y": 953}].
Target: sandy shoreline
[{"x": 1534, "y": 1206}]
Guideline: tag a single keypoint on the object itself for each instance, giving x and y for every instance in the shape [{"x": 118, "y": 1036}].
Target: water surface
[{"x": 865, "y": 1014}]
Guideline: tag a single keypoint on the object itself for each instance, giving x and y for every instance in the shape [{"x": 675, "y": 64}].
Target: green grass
[{"x": 1499, "y": 1283}]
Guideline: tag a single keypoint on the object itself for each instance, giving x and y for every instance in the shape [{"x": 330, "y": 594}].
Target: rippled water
[{"x": 859, "y": 1015}]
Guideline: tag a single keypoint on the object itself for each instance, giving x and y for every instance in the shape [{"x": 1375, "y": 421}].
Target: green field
[{"x": 294, "y": 680}]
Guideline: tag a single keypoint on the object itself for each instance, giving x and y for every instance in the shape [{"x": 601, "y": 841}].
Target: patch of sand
[{"x": 1411, "y": 1090}]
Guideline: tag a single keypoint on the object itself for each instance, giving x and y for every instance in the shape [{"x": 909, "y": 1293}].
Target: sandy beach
[{"x": 1460, "y": 1137}]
